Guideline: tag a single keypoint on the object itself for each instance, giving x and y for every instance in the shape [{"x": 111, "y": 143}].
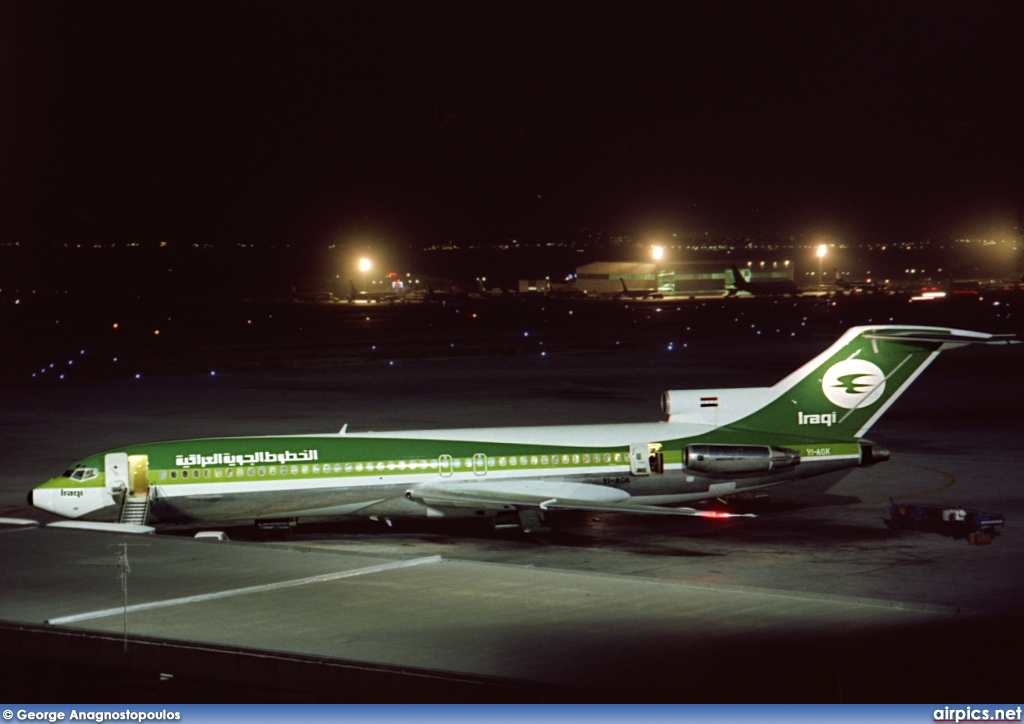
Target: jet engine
[
  {"x": 735, "y": 459},
  {"x": 872, "y": 452}
]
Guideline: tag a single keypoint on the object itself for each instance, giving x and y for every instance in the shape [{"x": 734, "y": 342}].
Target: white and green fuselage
[{"x": 715, "y": 443}]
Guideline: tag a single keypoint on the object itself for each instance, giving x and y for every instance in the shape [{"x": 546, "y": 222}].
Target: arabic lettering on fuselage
[{"x": 257, "y": 458}]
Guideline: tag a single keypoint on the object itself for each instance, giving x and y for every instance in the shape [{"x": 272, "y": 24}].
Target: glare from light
[
  {"x": 821, "y": 256},
  {"x": 364, "y": 265},
  {"x": 658, "y": 253}
]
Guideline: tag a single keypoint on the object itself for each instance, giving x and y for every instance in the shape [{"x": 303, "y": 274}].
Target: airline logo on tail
[
  {"x": 850, "y": 384},
  {"x": 853, "y": 383}
]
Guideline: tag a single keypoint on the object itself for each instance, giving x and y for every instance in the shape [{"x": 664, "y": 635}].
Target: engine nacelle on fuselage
[
  {"x": 872, "y": 452},
  {"x": 737, "y": 459}
]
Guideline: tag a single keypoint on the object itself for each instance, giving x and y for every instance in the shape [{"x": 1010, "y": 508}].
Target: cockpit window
[{"x": 81, "y": 474}]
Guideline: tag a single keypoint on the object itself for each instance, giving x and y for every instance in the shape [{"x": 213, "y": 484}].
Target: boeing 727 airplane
[{"x": 715, "y": 443}]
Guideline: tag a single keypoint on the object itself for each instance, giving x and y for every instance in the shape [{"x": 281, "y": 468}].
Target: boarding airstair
[{"x": 135, "y": 509}]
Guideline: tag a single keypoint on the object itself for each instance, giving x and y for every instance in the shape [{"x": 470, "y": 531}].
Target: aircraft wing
[{"x": 545, "y": 495}]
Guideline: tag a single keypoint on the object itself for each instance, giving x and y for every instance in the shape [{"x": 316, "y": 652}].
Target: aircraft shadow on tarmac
[{"x": 778, "y": 521}]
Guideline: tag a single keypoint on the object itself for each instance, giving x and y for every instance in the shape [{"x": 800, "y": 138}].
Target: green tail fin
[{"x": 843, "y": 391}]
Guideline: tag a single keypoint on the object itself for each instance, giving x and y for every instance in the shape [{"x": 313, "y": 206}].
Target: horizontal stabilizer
[{"x": 951, "y": 339}]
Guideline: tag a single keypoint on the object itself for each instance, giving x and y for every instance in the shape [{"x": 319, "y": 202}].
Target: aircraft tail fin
[
  {"x": 840, "y": 393},
  {"x": 739, "y": 282}
]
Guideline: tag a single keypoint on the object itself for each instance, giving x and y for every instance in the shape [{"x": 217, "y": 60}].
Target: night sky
[{"x": 419, "y": 122}]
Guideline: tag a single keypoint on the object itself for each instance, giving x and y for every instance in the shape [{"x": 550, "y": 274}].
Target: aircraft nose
[{"x": 45, "y": 499}]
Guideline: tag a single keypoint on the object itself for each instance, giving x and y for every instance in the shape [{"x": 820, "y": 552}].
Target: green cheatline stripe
[
  {"x": 61, "y": 620},
  {"x": 395, "y": 468}
]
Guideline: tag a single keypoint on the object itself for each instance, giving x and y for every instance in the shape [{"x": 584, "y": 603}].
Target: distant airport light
[
  {"x": 658, "y": 253},
  {"x": 821, "y": 256},
  {"x": 364, "y": 265}
]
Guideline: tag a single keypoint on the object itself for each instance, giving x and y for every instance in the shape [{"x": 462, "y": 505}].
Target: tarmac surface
[{"x": 816, "y": 599}]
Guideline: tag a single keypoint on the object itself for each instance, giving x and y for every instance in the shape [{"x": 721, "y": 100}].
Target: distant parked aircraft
[
  {"x": 628, "y": 293},
  {"x": 856, "y": 286},
  {"x": 357, "y": 296},
  {"x": 772, "y": 288}
]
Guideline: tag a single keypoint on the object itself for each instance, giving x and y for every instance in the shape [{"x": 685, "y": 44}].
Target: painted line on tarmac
[
  {"x": 950, "y": 480},
  {"x": 61, "y": 620}
]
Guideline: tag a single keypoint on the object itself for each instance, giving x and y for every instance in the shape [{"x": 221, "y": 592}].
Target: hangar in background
[{"x": 601, "y": 278}]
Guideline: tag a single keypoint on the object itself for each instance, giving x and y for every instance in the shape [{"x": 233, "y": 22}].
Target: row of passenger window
[
  {"x": 575, "y": 459},
  {"x": 445, "y": 464}
]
